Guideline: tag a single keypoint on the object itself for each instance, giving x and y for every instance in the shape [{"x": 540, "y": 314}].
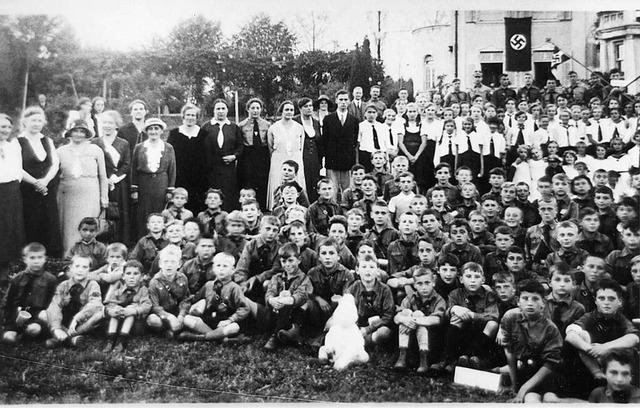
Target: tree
[
  {"x": 362, "y": 67},
  {"x": 312, "y": 27},
  {"x": 265, "y": 38}
]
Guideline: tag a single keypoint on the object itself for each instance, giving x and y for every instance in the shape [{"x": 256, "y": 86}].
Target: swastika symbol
[{"x": 518, "y": 42}]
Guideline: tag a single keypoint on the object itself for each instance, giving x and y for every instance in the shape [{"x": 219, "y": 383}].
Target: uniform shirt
[
  {"x": 382, "y": 177},
  {"x": 632, "y": 305},
  {"x": 32, "y": 292},
  {"x": 90, "y": 299},
  {"x": 504, "y": 307},
  {"x": 434, "y": 305},
  {"x": 466, "y": 253},
  {"x": 451, "y": 192},
  {"x": 600, "y": 245},
  {"x": 603, "y": 395},
  {"x": 169, "y": 296},
  {"x": 329, "y": 283},
  {"x": 172, "y": 213},
  {"x": 349, "y": 197},
  {"x": 403, "y": 253},
  {"x": 483, "y": 303},
  {"x": 298, "y": 284},
  {"x": 604, "y": 329},
  {"x": 485, "y": 241},
  {"x": 218, "y": 217},
  {"x": 538, "y": 340},
  {"x": 569, "y": 257},
  {"x": 188, "y": 250},
  {"x": 618, "y": 265},
  {"x": 377, "y": 302},
  {"x": 365, "y": 137},
  {"x": 494, "y": 262},
  {"x": 118, "y": 296},
  {"x": 444, "y": 289},
  {"x": 226, "y": 299},
  {"x": 563, "y": 312},
  {"x": 146, "y": 251},
  {"x": 96, "y": 250},
  {"x": 381, "y": 239},
  {"x": 258, "y": 259},
  {"x": 400, "y": 204},
  {"x": 537, "y": 246},
  {"x": 197, "y": 273},
  {"x": 320, "y": 212}
]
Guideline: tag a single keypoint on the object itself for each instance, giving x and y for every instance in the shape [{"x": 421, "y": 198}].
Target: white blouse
[{"x": 10, "y": 161}]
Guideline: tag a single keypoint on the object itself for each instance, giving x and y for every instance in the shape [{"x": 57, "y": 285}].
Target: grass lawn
[{"x": 159, "y": 370}]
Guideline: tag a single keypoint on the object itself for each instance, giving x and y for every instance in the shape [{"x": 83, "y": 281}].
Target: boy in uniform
[
  {"x": 148, "y": 246},
  {"x": 460, "y": 247},
  {"x": 403, "y": 252},
  {"x": 213, "y": 218},
  {"x": 199, "y": 270},
  {"x": 325, "y": 207},
  {"x": 176, "y": 210},
  {"x": 88, "y": 245}
]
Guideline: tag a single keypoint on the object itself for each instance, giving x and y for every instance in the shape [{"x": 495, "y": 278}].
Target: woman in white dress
[{"x": 286, "y": 142}]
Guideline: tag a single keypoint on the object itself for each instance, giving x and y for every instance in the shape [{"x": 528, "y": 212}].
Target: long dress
[
  {"x": 311, "y": 157},
  {"x": 11, "y": 215},
  {"x": 152, "y": 179},
  {"x": 83, "y": 185},
  {"x": 190, "y": 165},
  {"x": 220, "y": 174},
  {"x": 118, "y": 164},
  {"x": 254, "y": 164},
  {"x": 41, "y": 222},
  {"x": 412, "y": 142},
  {"x": 286, "y": 144}
]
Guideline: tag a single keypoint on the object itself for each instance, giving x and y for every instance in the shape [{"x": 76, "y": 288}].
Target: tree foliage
[{"x": 265, "y": 38}]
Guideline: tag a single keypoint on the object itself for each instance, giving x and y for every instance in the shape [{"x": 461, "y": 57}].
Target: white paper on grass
[{"x": 476, "y": 378}]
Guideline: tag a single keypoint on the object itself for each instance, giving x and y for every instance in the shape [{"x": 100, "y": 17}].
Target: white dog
[{"x": 344, "y": 343}]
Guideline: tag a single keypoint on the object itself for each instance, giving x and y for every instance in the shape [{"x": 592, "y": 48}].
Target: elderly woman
[
  {"x": 311, "y": 153},
  {"x": 11, "y": 219},
  {"x": 253, "y": 166},
  {"x": 40, "y": 164},
  {"x": 188, "y": 145},
  {"x": 153, "y": 173},
  {"x": 117, "y": 155},
  {"x": 286, "y": 141},
  {"x": 83, "y": 189},
  {"x": 223, "y": 147}
]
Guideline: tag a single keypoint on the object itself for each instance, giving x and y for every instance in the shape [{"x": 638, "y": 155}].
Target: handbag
[
  {"x": 112, "y": 213},
  {"x": 106, "y": 227}
]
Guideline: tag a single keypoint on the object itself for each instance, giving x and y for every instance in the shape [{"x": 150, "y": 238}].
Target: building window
[
  {"x": 618, "y": 54},
  {"x": 429, "y": 72}
]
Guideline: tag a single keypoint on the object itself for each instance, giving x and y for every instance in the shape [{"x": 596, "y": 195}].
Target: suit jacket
[
  {"x": 339, "y": 141},
  {"x": 317, "y": 138},
  {"x": 129, "y": 132},
  {"x": 352, "y": 109}
]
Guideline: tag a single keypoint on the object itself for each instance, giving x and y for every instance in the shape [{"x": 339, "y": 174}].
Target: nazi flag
[{"x": 517, "y": 44}]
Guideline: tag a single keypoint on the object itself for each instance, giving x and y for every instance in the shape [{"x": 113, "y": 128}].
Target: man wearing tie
[
  {"x": 339, "y": 142},
  {"x": 372, "y": 137},
  {"x": 356, "y": 107}
]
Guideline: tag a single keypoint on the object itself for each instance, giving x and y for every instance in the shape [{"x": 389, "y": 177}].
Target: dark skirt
[
  {"x": 312, "y": 166},
  {"x": 41, "y": 223},
  {"x": 224, "y": 177},
  {"x": 120, "y": 195},
  {"x": 11, "y": 222},
  {"x": 420, "y": 167},
  {"x": 152, "y": 198},
  {"x": 470, "y": 159},
  {"x": 253, "y": 171}
]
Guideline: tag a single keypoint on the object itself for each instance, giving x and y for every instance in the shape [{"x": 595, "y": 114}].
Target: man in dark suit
[
  {"x": 356, "y": 107},
  {"x": 340, "y": 136},
  {"x": 134, "y": 132}
]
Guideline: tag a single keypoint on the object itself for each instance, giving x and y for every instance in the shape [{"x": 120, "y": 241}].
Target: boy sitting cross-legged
[
  {"x": 76, "y": 308},
  {"x": 28, "y": 297},
  {"x": 112, "y": 271},
  {"x": 421, "y": 311},
  {"x": 127, "y": 302},
  {"x": 532, "y": 343},
  {"x": 286, "y": 295},
  {"x": 169, "y": 293},
  {"x": 219, "y": 307},
  {"x": 374, "y": 302}
]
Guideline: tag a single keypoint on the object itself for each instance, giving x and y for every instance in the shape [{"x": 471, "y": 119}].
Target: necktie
[
  {"x": 26, "y": 293},
  {"x": 492, "y": 147},
  {"x": 557, "y": 313},
  {"x": 342, "y": 118},
  {"x": 178, "y": 215},
  {"x": 264, "y": 251},
  {"x": 510, "y": 122},
  {"x": 546, "y": 235},
  {"x": 615, "y": 133},
  {"x": 140, "y": 137},
  {"x": 220, "y": 136},
  {"x": 599, "y": 133},
  {"x": 520, "y": 138},
  {"x": 257, "y": 141},
  {"x": 450, "y": 153},
  {"x": 75, "y": 303},
  {"x": 469, "y": 143},
  {"x": 128, "y": 297},
  {"x": 376, "y": 144},
  {"x": 391, "y": 136},
  {"x": 535, "y": 126}
]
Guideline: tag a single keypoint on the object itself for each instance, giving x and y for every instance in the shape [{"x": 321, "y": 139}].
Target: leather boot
[
  {"x": 424, "y": 362},
  {"x": 401, "y": 364}
]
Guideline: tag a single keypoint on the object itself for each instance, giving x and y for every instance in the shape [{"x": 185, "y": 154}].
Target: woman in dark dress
[
  {"x": 98, "y": 106},
  {"x": 11, "y": 219},
  {"x": 153, "y": 174},
  {"x": 255, "y": 162},
  {"x": 117, "y": 156},
  {"x": 190, "y": 162},
  {"x": 412, "y": 144},
  {"x": 222, "y": 148},
  {"x": 311, "y": 153},
  {"x": 40, "y": 164}
]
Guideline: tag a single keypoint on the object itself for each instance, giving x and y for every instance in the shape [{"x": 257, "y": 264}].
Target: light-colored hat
[
  {"x": 156, "y": 122},
  {"x": 581, "y": 162},
  {"x": 554, "y": 158},
  {"x": 80, "y": 124}
]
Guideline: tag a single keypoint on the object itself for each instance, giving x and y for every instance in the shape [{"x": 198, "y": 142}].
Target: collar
[
  {"x": 212, "y": 213},
  {"x": 92, "y": 242},
  {"x": 298, "y": 273},
  {"x": 156, "y": 146},
  {"x": 429, "y": 298},
  {"x": 226, "y": 121},
  {"x": 562, "y": 251},
  {"x": 261, "y": 242},
  {"x": 199, "y": 262},
  {"x": 479, "y": 293},
  {"x": 567, "y": 301},
  {"x": 413, "y": 238},
  {"x": 324, "y": 201},
  {"x": 84, "y": 284}
]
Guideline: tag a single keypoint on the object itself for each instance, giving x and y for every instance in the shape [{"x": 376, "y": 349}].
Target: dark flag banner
[
  {"x": 517, "y": 44},
  {"x": 558, "y": 58}
]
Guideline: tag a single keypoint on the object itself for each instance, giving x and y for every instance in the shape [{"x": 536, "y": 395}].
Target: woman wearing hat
[
  {"x": 40, "y": 164},
  {"x": 153, "y": 173},
  {"x": 83, "y": 189},
  {"x": 323, "y": 106}
]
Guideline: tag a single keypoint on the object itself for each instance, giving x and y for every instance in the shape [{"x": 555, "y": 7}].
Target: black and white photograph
[{"x": 355, "y": 202}]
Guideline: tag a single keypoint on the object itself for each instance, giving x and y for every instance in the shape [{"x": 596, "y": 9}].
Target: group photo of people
[{"x": 493, "y": 229}]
